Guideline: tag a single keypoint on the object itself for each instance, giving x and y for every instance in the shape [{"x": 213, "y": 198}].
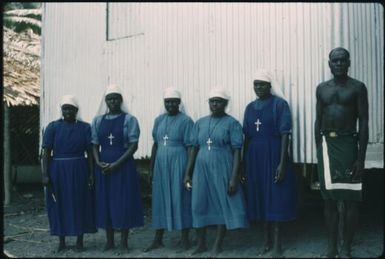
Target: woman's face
[
  {"x": 262, "y": 88},
  {"x": 172, "y": 105},
  {"x": 69, "y": 112},
  {"x": 114, "y": 102},
  {"x": 217, "y": 105}
]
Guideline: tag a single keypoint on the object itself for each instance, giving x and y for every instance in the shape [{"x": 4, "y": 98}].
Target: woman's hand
[
  {"x": 102, "y": 165},
  {"x": 110, "y": 168},
  {"x": 233, "y": 186},
  {"x": 187, "y": 183},
  {"x": 45, "y": 180},
  {"x": 280, "y": 174},
  {"x": 91, "y": 182},
  {"x": 357, "y": 171}
]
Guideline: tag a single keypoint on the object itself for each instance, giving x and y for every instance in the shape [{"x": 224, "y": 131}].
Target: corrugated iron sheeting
[{"x": 196, "y": 46}]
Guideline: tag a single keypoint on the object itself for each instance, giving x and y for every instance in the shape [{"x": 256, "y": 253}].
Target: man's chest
[{"x": 338, "y": 95}]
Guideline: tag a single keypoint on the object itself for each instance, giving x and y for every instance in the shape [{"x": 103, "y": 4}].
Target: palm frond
[
  {"x": 26, "y": 20},
  {"x": 21, "y": 67},
  {"x": 23, "y": 12}
]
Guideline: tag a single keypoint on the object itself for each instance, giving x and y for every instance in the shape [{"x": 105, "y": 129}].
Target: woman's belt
[{"x": 68, "y": 156}]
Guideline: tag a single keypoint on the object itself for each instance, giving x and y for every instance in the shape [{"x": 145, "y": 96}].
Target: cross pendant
[
  {"x": 110, "y": 137},
  {"x": 165, "y": 138},
  {"x": 209, "y": 142},
  {"x": 257, "y": 123}
]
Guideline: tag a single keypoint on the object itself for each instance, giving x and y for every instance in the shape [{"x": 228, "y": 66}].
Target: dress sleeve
[
  {"x": 94, "y": 130},
  {"x": 236, "y": 135},
  {"x": 284, "y": 118},
  {"x": 49, "y": 136},
  {"x": 187, "y": 129},
  {"x": 194, "y": 135},
  {"x": 133, "y": 131}
]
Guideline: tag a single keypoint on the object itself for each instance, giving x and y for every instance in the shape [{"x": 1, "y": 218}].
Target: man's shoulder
[
  {"x": 325, "y": 83},
  {"x": 356, "y": 83}
]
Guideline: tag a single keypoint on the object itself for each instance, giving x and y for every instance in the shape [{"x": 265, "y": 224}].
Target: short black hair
[{"x": 339, "y": 49}]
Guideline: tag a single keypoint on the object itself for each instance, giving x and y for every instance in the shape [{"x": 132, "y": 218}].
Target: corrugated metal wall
[{"x": 196, "y": 46}]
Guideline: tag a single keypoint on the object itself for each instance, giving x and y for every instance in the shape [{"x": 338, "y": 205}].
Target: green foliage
[{"x": 20, "y": 16}]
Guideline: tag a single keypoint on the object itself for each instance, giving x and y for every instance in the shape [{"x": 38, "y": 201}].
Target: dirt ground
[{"x": 26, "y": 234}]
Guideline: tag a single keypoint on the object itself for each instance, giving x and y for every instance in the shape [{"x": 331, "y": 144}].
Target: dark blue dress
[
  {"x": 118, "y": 200},
  {"x": 264, "y": 122},
  {"x": 73, "y": 212}
]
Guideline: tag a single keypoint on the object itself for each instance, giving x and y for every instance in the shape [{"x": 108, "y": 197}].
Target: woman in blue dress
[
  {"x": 115, "y": 136},
  {"x": 67, "y": 175},
  {"x": 171, "y": 203},
  {"x": 213, "y": 165},
  {"x": 271, "y": 182}
]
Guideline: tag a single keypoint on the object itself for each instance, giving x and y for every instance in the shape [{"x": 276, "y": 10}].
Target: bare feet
[
  {"x": 345, "y": 252},
  {"x": 108, "y": 246},
  {"x": 154, "y": 245},
  {"x": 123, "y": 248},
  {"x": 330, "y": 253},
  {"x": 266, "y": 248},
  {"x": 276, "y": 252},
  {"x": 216, "y": 250},
  {"x": 183, "y": 245},
  {"x": 61, "y": 247},
  {"x": 79, "y": 246},
  {"x": 199, "y": 249}
]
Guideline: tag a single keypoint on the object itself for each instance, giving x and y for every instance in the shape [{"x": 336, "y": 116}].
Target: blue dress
[
  {"x": 211, "y": 205},
  {"x": 171, "y": 202},
  {"x": 118, "y": 200},
  {"x": 72, "y": 213},
  {"x": 264, "y": 122}
]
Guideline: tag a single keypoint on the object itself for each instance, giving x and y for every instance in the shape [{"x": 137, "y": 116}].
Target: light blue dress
[
  {"x": 171, "y": 202},
  {"x": 211, "y": 205}
]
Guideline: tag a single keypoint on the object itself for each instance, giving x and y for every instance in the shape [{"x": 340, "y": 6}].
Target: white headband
[
  {"x": 171, "y": 92},
  {"x": 219, "y": 92},
  {"x": 113, "y": 89},
  {"x": 69, "y": 99},
  {"x": 263, "y": 75}
]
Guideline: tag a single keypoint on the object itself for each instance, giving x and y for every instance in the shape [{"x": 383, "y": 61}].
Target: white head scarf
[
  {"x": 172, "y": 92},
  {"x": 71, "y": 100},
  {"x": 222, "y": 93},
  {"x": 267, "y": 76},
  {"x": 219, "y": 92},
  {"x": 111, "y": 89}
]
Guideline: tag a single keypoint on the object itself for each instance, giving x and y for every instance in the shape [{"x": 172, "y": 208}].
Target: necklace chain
[
  {"x": 212, "y": 131},
  {"x": 166, "y": 127}
]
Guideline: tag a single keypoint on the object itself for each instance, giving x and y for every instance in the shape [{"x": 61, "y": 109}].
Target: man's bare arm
[
  {"x": 318, "y": 118},
  {"x": 363, "y": 118}
]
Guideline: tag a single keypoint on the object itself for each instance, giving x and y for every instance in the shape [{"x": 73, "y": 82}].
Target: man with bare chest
[{"x": 341, "y": 147}]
